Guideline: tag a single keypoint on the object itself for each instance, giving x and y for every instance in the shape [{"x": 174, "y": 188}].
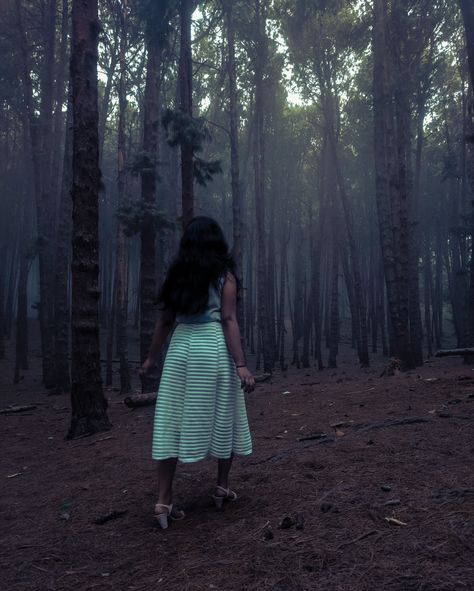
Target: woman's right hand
[
  {"x": 246, "y": 379},
  {"x": 146, "y": 367}
]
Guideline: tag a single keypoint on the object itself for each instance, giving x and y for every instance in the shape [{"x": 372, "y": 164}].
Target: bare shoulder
[
  {"x": 230, "y": 277},
  {"x": 229, "y": 289}
]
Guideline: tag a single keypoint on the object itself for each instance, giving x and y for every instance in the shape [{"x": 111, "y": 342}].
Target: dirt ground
[{"x": 384, "y": 502}]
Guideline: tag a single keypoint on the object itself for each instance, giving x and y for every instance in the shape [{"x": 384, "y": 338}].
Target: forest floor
[{"x": 379, "y": 504}]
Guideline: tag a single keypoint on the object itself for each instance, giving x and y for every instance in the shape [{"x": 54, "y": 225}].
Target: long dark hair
[{"x": 203, "y": 257}]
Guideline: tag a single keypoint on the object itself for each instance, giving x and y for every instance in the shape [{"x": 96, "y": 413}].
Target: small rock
[
  {"x": 370, "y": 442},
  {"x": 299, "y": 521},
  {"x": 325, "y": 507},
  {"x": 386, "y": 488},
  {"x": 286, "y": 522},
  {"x": 268, "y": 534}
]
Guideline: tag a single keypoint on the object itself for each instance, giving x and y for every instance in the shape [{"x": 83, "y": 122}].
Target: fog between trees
[{"x": 332, "y": 140}]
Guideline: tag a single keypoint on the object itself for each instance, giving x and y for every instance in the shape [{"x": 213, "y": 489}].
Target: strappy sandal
[
  {"x": 162, "y": 518},
  {"x": 229, "y": 495}
]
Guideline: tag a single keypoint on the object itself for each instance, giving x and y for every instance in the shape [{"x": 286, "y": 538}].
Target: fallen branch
[
  {"x": 392, "y": 423},
  {"x": 359, "y": 538},
  {"x": 448, "y": 352},
  {"x": 309, "y": 441},
  {"x": 113, "y": 515},
  {"x": 13, "y": 408},
  {"x": 313, "y": 437},
  {"x": 93, "y": 442}
]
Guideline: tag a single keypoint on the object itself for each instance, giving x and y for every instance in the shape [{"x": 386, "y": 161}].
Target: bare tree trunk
[
  {"x": 359, "y": 308},
  {"x": 427, "y": 294},
  {"x": 259, "y": 175},
  {"x": 104, "y": 110},
  {"x": 63, "y": 256},
  {"x": 467, "y": 10},
  {"x": 89, "y": 405},
  {"x": 120, "y": 260},
  {"x": 148, "y": 234},
  {"x": 281, "y": 310},
  {"x": 185, "y": 85},
  {"x": 250, "y": 308},
  {"x": 334, "y": 323},
  {"x": 392, "y": 198},
  {"x": 40, "y": 136},
  {"x": 234, "y": 160},
  {"x": 59, "y": 120},
  {"x": 408, "y": 248}
]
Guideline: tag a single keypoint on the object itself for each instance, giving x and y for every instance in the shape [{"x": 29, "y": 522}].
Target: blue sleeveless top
[{"x": 212, "y": 313}]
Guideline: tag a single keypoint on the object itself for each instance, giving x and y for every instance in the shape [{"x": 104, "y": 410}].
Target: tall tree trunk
[
  {"x": 467, "y": 10},
  {"x": 40, "y": 148},
  {"x": 281, "y": 310},
  {"x": 2, "y": 314},
  {"x": 259, "y": 176},
  {"x": 359, "y": 308},
  {"x": 391, "y": 196},
  {"x": 149, "y": 182},
  {"x": 408, "y": 253},
  {"x": 59, "y": 120},
  {"x": 89, "y": 405},
  {"x": 334, "y": 322},
  {"x": 63, "y": 256},
  {"x": 186, "y": 99},
  {"x": 120, "y": 260},
  {"x": 234, "y": 159},
  {"x": 104, "y": 109}
]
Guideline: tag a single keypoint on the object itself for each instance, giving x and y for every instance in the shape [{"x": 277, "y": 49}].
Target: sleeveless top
[{"x": 212, "y": 313}]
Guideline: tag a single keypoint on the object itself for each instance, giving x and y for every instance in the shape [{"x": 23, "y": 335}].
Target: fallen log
[
  {"x": 448, "y": 352},
  {"x": 138, "y": 400}
]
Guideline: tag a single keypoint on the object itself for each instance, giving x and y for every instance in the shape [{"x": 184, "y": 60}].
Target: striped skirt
[{"x": 200, "y": 408}]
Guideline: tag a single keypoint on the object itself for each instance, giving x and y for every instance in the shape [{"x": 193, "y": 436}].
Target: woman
[{"x": 200, "y": 408}]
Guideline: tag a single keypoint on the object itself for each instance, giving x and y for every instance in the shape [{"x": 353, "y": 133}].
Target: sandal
[
  {"x": 162, "y": 518},
  {"x": 229, "y": 495}
]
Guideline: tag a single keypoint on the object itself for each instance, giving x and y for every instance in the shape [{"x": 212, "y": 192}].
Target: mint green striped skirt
[{"x": 200, "y": 407}]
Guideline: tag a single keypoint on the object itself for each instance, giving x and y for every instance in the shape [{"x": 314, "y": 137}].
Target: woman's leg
[
  {"x": 166, "y": 470},
  {"x": 223, "y": 469}
]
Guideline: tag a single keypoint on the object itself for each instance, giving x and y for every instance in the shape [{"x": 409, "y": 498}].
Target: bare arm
[
  {"x": 231, "y": 331},
  {"x": 162, "y": 329}
]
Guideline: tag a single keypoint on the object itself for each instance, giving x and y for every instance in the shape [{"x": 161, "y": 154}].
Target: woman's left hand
[{"x": 246, "y": 378}]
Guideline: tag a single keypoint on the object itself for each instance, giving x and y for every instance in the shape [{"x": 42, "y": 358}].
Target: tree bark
[
  {"x": 260, "y": 60},
  {"x": 185, "y": 86},
  {"x": 40, "y": 142},
  {"x": 392, "y": 197},
  {"x": 89, "y": 405},
  {"x": 334, "y": 322},
  {"x": 149, "y": 181},
  {"x": 467, "y": 10},
  {"x": 63, "y": 256},
  {"x": 234, "y": 160},
  {"x": 120, "y": 260}
]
